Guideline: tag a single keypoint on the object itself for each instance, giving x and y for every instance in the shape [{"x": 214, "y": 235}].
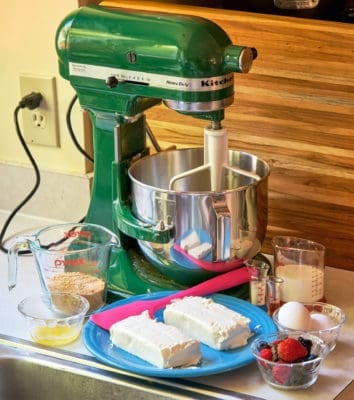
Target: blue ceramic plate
[{"x": 213, "y": 361}]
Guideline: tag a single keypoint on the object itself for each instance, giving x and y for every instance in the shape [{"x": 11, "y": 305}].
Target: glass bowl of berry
[{"x": 289, "y": 361}]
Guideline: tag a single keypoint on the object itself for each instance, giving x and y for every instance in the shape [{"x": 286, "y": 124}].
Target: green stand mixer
[{"x": 182, "y": 215}]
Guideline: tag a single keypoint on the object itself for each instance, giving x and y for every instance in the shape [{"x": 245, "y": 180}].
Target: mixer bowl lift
[{"x": 121, "y": 63}]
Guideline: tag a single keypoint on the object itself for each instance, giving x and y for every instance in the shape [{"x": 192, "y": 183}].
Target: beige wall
[{"x": 27, "y": 46}]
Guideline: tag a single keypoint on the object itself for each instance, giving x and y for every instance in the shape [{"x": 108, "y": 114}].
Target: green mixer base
[{"x": 131, "y": 274}]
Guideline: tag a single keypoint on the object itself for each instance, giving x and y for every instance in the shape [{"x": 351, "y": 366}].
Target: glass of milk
[{"x": 300, "y": 263}]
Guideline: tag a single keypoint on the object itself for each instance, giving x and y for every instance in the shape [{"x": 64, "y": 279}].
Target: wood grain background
[{"x": 295, "y": 109}]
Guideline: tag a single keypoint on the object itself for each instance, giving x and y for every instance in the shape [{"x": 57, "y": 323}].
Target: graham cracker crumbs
[{"x": 88, "y": 286}]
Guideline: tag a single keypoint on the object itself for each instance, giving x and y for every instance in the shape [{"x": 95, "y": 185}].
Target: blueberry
[
  {"x": 263, "y": 345},
  {"x": 307, "y": 343}
]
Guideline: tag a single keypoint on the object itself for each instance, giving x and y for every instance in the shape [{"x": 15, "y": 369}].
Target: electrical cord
[
  {"x": 73, "y": 137},
  {"x": 71, "y": 132},
  {"x": 31, "y": 101}
]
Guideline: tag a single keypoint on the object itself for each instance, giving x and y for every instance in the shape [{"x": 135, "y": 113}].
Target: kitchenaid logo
[{"x": 208, "y": 83}]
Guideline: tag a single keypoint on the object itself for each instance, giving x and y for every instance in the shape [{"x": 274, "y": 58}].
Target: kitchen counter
[{"x": 336, "y": 375}]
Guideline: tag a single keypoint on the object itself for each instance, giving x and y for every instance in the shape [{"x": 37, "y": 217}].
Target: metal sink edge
[{"x": 89, "y": 368}]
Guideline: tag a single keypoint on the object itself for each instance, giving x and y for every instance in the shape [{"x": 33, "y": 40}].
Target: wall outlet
[{"x": 40, "y": 126}]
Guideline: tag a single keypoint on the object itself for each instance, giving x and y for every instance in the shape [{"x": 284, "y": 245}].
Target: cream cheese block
[
  {"x": 200, "y": 251},
  {"x": 162, "y": 345},
  {"x": 193, "y": 246},
  {"x": 208, "y": 322},
  {"x": 192, "y": 240}
]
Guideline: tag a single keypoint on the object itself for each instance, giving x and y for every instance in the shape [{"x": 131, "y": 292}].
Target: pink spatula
[{"x": 105, "y": 319}]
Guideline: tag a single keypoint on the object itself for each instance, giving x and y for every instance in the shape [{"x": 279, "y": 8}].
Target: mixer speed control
[{"x": 112, "y": 82}]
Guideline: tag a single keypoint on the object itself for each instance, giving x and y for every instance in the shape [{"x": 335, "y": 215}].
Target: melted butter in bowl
[
  {"x": 56, "y": 335},
  {"x": 46, "y": 325}
]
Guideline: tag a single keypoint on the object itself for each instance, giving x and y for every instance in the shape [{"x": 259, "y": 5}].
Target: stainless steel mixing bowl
[{"x": 230, "y": 223}]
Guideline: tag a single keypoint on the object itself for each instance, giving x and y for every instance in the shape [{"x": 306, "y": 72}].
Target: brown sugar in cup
[{"x": 90, "y": 287}]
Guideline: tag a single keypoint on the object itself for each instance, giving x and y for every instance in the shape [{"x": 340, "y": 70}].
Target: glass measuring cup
[
  {"x": 71, "y": 258},
  {"x": 300, "y": 263},
  {"x": 258, "y": 283}
]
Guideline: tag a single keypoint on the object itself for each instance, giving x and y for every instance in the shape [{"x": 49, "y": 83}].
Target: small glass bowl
[
  {"x": 291, "y": 376},
  {"x": 329, "y": 335},
  {"x": 55, "y": 320}
]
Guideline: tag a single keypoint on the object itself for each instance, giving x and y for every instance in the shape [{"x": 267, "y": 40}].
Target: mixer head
[{"x": 124, "y": 61}]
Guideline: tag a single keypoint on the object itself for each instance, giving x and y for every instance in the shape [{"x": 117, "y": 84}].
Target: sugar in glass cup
[
  {"x": 321, "y": 310},
  {"x": 300, "y": 263},
  {"x": 56, "y": 320},
  {"x": 290, "y": 376}
]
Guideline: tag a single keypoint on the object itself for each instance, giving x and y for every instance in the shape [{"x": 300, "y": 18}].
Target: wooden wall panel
[{"x": 296, "y": 110}]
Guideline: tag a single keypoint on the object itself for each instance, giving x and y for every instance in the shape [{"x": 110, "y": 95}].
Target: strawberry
[
  {"x": 281, "y": 373},
  {"x": 266, "y": 353},
  {"x": 290, "y": 350}
]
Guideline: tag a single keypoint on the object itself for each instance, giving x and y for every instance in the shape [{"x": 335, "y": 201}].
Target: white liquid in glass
[{"x": 303, "y": 283}]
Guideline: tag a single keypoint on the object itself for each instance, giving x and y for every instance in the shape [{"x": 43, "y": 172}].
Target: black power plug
[{"x": 31, "y": 101}]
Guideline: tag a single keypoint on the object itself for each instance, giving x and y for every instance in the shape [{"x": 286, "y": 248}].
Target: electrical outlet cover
[{"x": 40, "y": 126}]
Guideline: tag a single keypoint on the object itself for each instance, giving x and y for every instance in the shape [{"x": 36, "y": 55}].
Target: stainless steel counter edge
[{"x": 89, "y": 367}]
